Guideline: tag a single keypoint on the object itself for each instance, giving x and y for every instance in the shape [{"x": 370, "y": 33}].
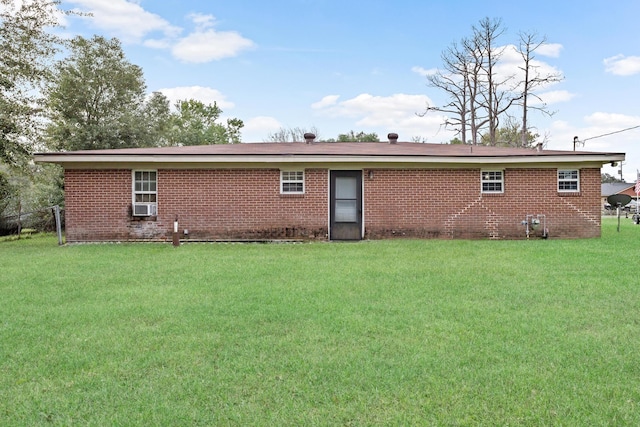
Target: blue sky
[{"x": 360, "y": 65}]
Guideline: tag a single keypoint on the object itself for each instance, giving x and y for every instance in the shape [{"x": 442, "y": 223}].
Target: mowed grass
[{"x": 427, "y": 332}]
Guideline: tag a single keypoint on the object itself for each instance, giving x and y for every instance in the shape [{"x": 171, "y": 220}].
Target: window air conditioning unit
[{"x": 144, "y": 210}]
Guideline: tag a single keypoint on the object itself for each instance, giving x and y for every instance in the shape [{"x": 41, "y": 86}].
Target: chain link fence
[{"x": 50, "y": 219}]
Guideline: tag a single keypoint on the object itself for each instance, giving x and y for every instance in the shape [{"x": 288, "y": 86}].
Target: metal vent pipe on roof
[
  {"x": 309, "y": 137},
  {"x": 393, "y": 138}
]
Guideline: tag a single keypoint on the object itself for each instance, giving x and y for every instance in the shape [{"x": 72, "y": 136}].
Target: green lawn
[{"x": 431, "y": 332}]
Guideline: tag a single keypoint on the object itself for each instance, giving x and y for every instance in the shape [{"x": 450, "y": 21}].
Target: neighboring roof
[
  {"x": 610, "y": 188},
  {"x": 327, "y": 152},
  {"x": 617, "y": 188}
]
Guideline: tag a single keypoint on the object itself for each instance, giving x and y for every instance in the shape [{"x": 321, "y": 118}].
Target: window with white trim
[
  {"x": 492, "y": 181},
  {"x": 568, "y": 180},
  {"x": 145, "y": 193},
  {"x": 291, "y": 182}
]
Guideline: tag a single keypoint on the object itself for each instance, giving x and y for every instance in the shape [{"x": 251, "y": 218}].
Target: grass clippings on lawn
[{"x": 396, "y": 332}]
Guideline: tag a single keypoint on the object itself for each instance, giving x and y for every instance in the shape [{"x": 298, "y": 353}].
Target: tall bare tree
[
  {"x": 453, "y": 79},
  {"x": 476, "y": 95},
  {"x": 498, "y": 92},
  {"x": 479, "y": 94},
  {"x": 476, "y": 85},
  {"x": 295, "y": 134},
  {"x": 529, "y": 43},
  {"x": 462, "y": 79}
]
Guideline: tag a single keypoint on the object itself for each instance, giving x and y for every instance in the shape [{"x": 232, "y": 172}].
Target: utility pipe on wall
[{"x": 176, "y": 238}]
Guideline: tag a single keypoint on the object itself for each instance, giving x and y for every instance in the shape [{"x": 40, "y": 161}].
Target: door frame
[{"x": 358, "y": 174}]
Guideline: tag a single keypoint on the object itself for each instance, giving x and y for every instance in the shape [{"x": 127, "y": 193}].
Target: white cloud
[
  {"x": 157, "y": 43},
  {"x": 552, "y": 97},
  {"x": 325, "y": 102},
  {"x": 383, "y": 106},
  {"x": 612, "y": 120},
  {"x": 206, "y": 44},
  {"x": 210, "y": 45},
  {"x": 199, "y": 93},
  {"x": 383, "y": 114},
  {"x": 599, "y": 131},
  {"x": 202, "y": 21},
  {"x": 510, "y": 65},
  {"x": 125, "y": 19},
  {"x": 621, "y": 65},
  {"x": 424, "y": 71},
  {"x": 128, "y": 21},
  {"x": 257, "y": 128},
  {"x": 551, "y": 50}
]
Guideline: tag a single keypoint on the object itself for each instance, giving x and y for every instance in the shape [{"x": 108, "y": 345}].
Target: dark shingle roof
[{"x": 610, "y": 188}]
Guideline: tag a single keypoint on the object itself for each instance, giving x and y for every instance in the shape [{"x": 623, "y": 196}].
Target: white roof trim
[{"x": 324, "y": 159}]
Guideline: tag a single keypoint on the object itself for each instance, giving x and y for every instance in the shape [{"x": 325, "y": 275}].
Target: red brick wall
[
  {"x": 211, "y": 204},
  {"x": 449, "y": 204},
  {"x": 243, "y": 204},
  {"x": 247, "y": 204},
  {"x": 97, "y": 204}
]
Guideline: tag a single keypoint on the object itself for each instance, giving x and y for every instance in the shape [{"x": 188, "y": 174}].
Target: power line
[{"x": 610, "y": 133}]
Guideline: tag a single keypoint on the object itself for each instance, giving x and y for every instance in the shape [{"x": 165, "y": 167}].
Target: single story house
[{"x": 330, "y": 191}]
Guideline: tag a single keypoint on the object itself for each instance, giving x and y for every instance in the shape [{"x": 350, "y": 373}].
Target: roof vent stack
[
  {"x": 539, "y": 147},
  {"x": 393, "y": 138},
  {"x": 309, "y": 137}
]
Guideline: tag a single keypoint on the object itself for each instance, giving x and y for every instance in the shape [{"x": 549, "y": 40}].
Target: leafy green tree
[
  {"x": 195, "y": 123},
  {"x": 97, "y": 101},
  {"x": 27, "y": 49},
  {"x": 361, "y": 136},
  {"x": 234, "y": 135},
  {"x": 6, "y": 196},
  {"x": 297, "y": 135},
  {"x": 608, "y": 178},
  {"x": 510, "y": 135},
  {"x": 19, "y": 186},
  {"x": 34, "y": 189},
  {"x": 97, "y": 98},
  {"x": 6, "y": 191},
  {"x": 156, "y": 119}
]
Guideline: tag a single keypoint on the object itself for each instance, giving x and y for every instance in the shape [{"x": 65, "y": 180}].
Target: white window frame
[
  {"x": 291, "y": 181},
  {"x": 150, "y": 193},
  {"x": 567, "y": 181},
  {"x": 489, "y": 177}
]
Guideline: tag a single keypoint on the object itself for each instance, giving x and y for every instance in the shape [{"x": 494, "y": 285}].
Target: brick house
[{"x": 330, "y": 191}]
